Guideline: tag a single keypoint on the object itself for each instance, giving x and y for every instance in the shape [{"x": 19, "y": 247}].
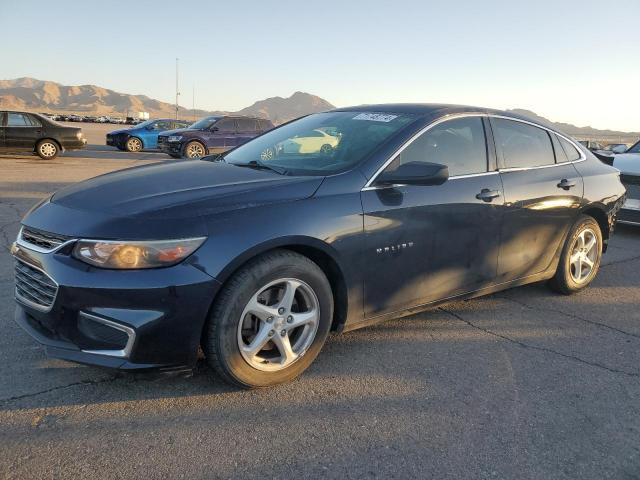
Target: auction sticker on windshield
[{"x": 375, "y": 117}]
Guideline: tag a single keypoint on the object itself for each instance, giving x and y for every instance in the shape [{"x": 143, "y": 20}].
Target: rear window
[{"x": 523, "y": 145}]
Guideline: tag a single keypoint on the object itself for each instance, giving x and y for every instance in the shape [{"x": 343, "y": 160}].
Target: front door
[
  {"x": 425, "y": 243},
  {"x": 543, "y": 191},
  {"x": 222, "y": 135},
  {"x": 22, "y": 131}
]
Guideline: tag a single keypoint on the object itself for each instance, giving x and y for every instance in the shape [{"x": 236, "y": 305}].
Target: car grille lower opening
[
  {"x": 43, "y": 240},
  {"x": 34, "y": 287},
  {"x": 101, "y": 335}
]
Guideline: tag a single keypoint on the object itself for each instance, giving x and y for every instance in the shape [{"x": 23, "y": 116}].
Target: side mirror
[
  {"x": 214, "y": 129},
  {"x": 415, "y": 173}
]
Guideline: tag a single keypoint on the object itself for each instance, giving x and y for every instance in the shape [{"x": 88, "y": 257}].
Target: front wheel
[
  {"x": 270, "y": 320},
  {"x": 47, "y": 149},
  {"x": 580, "y": 258},
  {"x": 194, "y": 150},
  {"x": 134, "y": 144}
]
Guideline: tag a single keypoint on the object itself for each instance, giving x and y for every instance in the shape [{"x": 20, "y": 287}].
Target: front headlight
[
  {"x": 79, "y": 135},
  {"x": 134, "y": 254},
  {"x": 174, "y": 138}
]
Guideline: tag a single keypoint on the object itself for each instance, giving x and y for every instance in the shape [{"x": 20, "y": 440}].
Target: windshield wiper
[{"x": 255, "y": 164}]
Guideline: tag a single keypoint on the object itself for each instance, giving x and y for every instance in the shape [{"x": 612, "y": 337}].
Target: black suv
[{"x": 31, "y": 132}]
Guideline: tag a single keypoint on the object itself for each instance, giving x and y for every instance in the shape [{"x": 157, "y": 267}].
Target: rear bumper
[{"x": 126, "y": 320}]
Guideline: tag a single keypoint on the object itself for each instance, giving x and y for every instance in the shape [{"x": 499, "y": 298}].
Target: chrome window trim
[
  {"x": 453, "y": 177},
  {"x": 369, "y": 185},
  {"x": 36, "y": 248},
  {"x": 29, "y": 303},
  {"x": 131, "y": 334}
]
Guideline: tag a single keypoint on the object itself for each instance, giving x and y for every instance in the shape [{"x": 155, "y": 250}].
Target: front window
[
  {"x": 321, "y": 144},
  {"x": 459, "y": 144},
  {"x": 204, "y": 124}
]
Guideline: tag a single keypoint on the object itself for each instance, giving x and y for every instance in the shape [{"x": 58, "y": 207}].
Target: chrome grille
[
  {"x": 34, "y": 287},
  {"x": 43, "y": 240}
]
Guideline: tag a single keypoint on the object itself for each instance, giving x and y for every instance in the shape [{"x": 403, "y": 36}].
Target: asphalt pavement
[{"x": 523, "y": 384}]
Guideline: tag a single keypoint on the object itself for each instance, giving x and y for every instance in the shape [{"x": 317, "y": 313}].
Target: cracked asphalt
[{"x": 523, "y": 384}]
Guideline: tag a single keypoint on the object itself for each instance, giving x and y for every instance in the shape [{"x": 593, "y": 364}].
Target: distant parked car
[
  {"x": 629, "y": 165},
  {"x": 315, "y": 141},
  {"x": 614, "y": 148},
  {"x": 31, "y": 132},
  {"x": 215, "y": 134},
  {"x": 144, "y": 135},
  {"x": 591, "y": 145}
]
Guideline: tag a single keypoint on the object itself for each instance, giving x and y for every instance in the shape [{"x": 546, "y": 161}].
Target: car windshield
[
  {"x": 320, "y": 144},
  {"x": 144, "y": 124},
  {"x": 634, "y": 149},
  {"x": 204, "y": 124}
]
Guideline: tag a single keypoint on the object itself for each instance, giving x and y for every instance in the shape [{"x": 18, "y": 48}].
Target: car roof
[{"x": 438, "y": 110}]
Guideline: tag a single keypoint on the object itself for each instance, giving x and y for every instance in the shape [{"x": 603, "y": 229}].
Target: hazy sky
[{"x": 574, "y": 61}]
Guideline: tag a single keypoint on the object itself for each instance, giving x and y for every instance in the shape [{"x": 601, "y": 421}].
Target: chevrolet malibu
[{"x": 255, "y": 260}]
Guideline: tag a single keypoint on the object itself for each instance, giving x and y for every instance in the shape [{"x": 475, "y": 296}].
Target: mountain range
[{"x": 30, "y": 94}]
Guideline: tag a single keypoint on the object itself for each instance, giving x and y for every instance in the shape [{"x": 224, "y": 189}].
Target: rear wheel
[
  {"x": 580, "y": 258},
  {"x": 269, "y": 321},
  {"x": 134, "y": 144},
  {"x": 47, "y": 149},
  {"x": 194, "y": 150}
]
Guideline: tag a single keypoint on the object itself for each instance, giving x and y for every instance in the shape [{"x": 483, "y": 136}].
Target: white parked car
[{"x": 629, "y": 165}]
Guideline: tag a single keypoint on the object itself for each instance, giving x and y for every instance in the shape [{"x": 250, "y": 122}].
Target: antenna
[
  {"x": 193, "y": 100},
  {"x": 177, "y": 90}
]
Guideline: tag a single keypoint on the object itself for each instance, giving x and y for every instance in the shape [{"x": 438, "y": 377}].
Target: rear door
[
  {"x": 542, "y": 196},
  {"x": 22, "y": 131}
]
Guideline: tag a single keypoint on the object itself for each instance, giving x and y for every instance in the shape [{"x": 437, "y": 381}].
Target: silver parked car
[{"x": 629, "y": 165}]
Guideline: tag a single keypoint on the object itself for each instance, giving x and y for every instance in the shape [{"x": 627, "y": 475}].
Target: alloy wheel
[
  {"x": 267, "y": 154},
  {"x": 584, "y": 255},
  {"x": 195, "y": 150},
  {"x": 134, "y": 144},
  {"x": 279, "y": 324},
  {"x": 48, "y": 149}
]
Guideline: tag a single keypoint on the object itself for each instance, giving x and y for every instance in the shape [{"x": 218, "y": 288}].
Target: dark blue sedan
[
  {"x": 253, "y": 258},
  {"x": 143, "y": 135}
]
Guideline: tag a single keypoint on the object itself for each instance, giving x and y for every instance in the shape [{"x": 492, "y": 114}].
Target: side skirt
[{"x": 538, "y": 277}]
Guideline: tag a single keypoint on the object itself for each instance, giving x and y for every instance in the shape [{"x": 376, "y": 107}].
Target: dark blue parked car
[
  {"x": 215, "y": 134},
  {"x": 143, "y": 135},
  {"x": 252, "y": 260}
]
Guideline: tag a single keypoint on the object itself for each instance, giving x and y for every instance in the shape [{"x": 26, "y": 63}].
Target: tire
[
  {"x": 47, "y": 149},
  {"x": 194, "y": 149},
  {"x": 326, "y": 149},
  {"x": 231, "y": 324},
  {"x": 133, "y": 145},
  {"x": 574, "y": 271}
]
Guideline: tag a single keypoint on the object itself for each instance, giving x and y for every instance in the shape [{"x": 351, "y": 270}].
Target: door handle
[
  {"x": 566, "y": 184},
  {"x": 487, "y": 195}
]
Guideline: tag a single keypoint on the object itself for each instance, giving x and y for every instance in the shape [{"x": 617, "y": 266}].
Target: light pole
[{"x": 177, "y": 90}]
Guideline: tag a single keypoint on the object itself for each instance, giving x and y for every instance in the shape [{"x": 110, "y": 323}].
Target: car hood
[
  {"x": 179, "y": 131},
  {"x": 123, "y": 130},
  {"x": 140, "y": 201},
  {"x": 627, "y": 163}
]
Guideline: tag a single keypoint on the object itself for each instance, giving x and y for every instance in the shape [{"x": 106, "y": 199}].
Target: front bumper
[
  {"x": 119, "y": 319},
  {"x": 171, "y": 148}
]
